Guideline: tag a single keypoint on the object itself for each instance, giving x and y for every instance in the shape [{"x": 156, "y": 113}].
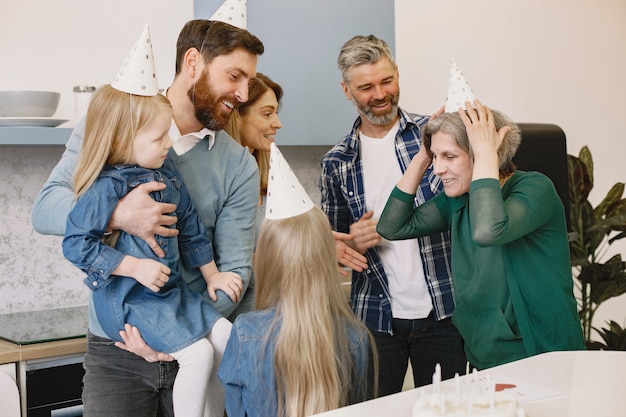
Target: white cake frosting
[{"x": 497, "y": 404}]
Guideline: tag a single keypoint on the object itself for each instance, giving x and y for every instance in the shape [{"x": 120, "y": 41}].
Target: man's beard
[
  {"x": 382, "y": 118},
  {"x": 208, "y": 108}
]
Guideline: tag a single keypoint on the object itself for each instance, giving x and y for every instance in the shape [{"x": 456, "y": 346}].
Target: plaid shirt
[{"x": 343, "y": 201}]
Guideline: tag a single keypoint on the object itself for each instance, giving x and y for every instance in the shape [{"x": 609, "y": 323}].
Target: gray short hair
[
  {"x": 362, "y": 50},
  {"x": 452, "y": 124}
]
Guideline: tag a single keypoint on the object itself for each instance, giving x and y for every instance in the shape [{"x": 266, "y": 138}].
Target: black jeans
[
  {"x": 425, "y": 342},
  {"x": 119, "y": 383}
]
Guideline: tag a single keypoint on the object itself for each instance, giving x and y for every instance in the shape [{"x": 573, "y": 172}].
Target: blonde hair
[
  {"x": 295, "y": 266},
  {"x": 113, "y": 119}
]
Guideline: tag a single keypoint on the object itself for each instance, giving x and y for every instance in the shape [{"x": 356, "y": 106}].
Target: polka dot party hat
[
  {"x": 285, "y": 195},
  {"x": 232, "y": 12},
  {"x": 138, "y": 73},
  {"x": 459, "y": 90}
]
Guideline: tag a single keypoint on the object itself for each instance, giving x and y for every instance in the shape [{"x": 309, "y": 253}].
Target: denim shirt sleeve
[
  {"x": 229, "y": 375},
  {"x": 86, "y": 224},
  {"x": 56, "y": 198}
]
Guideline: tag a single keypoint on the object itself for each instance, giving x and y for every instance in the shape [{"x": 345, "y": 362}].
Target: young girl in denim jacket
[
  {"x": 302, "y": 351},
  {"x": 126, "y": 144}
]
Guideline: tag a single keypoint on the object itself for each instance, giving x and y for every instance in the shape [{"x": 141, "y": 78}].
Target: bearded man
[
  {"x": 405, "y": 295},
  {"x": 214, "y": 63}
]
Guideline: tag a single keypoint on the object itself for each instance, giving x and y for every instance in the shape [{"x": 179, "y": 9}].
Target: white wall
[
  {"x": 557, "y": 61},
  {"x": 54, "y": 45}
]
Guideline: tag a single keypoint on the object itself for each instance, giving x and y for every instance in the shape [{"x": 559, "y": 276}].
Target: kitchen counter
[
  {"x": 11, "y": 352},
  {"x": 43, "y": 334}
]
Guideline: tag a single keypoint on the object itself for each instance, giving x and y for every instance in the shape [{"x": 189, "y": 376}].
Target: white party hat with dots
[
  {"x": 138, "y": 73},
  {"x": 459, "y": 90},
  {"x": 232, "y": 12},
  {"x": 285, "y": 195}
]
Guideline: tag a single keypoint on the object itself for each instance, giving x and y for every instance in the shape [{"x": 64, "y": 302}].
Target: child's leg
[
  {"x": 215, "y": 398},
  {"x": 195, "y": 364}
]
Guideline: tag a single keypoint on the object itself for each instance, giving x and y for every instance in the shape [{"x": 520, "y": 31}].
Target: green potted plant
[
  {"x": 593, "y": 230},
  {"x": 613, "y": 338}
]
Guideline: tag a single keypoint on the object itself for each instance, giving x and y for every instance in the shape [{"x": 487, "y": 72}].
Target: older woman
[{"x": 511, "y": 269}]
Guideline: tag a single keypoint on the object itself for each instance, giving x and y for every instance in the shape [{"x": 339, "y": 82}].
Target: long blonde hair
[
  {"x": 295, "y": 266},
  {"x": 113, "y": 119}
]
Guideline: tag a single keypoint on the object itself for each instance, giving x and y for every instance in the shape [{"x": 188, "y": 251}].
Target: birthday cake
[{"x": 497, "y": 404}]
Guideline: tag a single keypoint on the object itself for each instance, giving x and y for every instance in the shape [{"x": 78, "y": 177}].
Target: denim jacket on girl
[
  {"x": 170, "y": 319},
  {"x": 247, "y": 368}
]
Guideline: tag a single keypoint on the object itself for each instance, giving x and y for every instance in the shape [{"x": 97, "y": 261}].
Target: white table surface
[{"x": 554, "y": 384}]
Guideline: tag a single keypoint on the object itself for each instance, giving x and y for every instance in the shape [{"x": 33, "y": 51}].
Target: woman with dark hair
[{"x": 511, "y": 269}]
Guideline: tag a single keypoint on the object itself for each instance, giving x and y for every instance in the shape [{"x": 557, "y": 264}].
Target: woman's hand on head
[
  {"x": 484, "y": 139},
  {"x": 481, "y": 128}
]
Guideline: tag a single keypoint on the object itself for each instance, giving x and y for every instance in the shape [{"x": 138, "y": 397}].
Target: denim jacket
[
  {"x": 223, "y": 181},
  {"x": 247, "y": 368},
  {"x": 169, "y": 319}
]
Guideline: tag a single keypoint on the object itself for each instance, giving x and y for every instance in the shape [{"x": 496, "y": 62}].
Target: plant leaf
[
  {"x": 607, "y": 280},
  {"x": 613, "y": 196},
  {"x": 591, "y": 230},
  {"x": 618, "y": 212},
  {"x": 614, "y": 337},
  {"x": 585, "y": 157},
  {"x": 617, "y": 237},
  {"x": 592, "y": 235},
  {"x": 579, "y": 181}
]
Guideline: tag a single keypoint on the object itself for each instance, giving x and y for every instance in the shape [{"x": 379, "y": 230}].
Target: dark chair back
[{"x": 544, "y": 149}]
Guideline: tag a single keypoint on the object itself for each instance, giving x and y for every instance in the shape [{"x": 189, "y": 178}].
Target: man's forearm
[
  {"x": 49, "y": 214},
  {"x": 56, "y": 198}
]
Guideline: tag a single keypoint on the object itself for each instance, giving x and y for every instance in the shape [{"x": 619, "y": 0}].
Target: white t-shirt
[{"x": 401, "y": 258}]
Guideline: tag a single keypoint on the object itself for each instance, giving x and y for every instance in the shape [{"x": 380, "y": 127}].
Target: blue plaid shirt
[{"x": 343, "y": 201}]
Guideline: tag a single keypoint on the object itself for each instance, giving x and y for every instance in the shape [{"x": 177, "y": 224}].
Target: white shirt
[
  {"x": 401, "y": 259},
  {"x": 182, "y": 144}
]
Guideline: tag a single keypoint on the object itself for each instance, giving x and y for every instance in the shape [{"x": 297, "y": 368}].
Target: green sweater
[{"x": 511, "y": 269}]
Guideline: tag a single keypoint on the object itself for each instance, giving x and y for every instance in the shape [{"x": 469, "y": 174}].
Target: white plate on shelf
[{"x": 31, "y": 121}]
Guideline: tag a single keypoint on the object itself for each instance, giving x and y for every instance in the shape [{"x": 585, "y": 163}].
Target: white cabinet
[{"x": 9, "y": 395}]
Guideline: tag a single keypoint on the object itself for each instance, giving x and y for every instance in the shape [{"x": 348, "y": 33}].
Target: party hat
[
  {"x": 138, "y": 73},
  {"x": 285, "y": 195},
  {"x": 232, "y": 12},
  {"x": 459, "y": 90}
]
